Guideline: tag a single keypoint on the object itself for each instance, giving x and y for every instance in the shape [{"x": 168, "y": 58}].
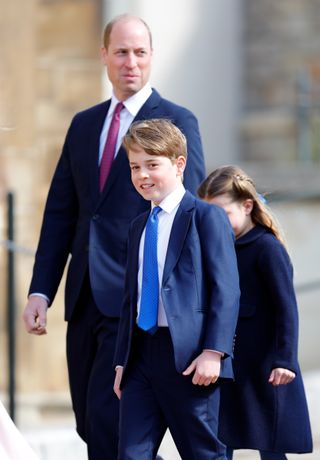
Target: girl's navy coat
[{"x": 254, "y": 414}]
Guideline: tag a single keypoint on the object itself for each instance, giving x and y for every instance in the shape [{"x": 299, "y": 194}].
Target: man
[{"x": 88, "y": 212}]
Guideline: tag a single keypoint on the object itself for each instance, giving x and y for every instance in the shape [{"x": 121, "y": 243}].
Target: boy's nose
[{"x": 144, "y": 174}]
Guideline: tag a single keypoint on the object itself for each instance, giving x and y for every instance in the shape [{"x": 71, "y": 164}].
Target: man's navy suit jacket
[
  {"x": 93, "y": 227},
  {"x": 200, "y": 285}
]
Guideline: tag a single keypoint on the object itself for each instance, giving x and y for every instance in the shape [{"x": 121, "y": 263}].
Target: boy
[{"x": 180, "y": 308}]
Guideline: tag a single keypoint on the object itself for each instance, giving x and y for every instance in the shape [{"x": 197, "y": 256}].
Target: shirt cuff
[
  {"x": 33, "y": 294},
  {"x": 215, "y": 351}
]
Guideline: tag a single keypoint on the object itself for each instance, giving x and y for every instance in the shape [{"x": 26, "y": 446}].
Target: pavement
[{"x": 62, "y": 443}]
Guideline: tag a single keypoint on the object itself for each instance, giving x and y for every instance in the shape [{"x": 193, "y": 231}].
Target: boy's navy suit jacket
[{"x": 200, "y": 286}]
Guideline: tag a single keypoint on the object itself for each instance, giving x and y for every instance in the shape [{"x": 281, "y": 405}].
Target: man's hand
[
  {"x": 280, "y": 376},
  {"x": 117, "y": 381},
  {"x": 206, "y": 367},
  {"x": 35, "y": 315}
]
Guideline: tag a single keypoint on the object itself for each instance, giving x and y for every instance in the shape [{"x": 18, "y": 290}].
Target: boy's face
[{"x": 155, "y": 177}]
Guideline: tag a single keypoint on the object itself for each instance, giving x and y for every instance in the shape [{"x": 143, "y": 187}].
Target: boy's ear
[
  {"x": 248, "y": 205},
  {"x": 181, "y": 164}
]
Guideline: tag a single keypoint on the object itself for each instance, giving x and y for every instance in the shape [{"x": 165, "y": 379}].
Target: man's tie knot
[{"x": 117, "y": 110}]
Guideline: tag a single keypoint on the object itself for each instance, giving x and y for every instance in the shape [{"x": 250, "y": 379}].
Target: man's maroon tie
[{"x": 110, "y": 147}]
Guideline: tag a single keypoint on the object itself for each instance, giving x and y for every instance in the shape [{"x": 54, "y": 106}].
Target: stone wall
[
  {"x": 49, "y": 70},
  {"x": 281, "y": 54}
]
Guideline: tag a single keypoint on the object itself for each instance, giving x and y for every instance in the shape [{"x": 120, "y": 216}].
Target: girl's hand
[{"x": 280, "y": 376}]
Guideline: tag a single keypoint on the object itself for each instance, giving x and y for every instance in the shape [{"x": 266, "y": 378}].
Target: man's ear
[{"x": 103, "y": 55}]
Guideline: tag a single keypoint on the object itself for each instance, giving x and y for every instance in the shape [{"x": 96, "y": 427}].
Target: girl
[{"x": 265, "y": 408}]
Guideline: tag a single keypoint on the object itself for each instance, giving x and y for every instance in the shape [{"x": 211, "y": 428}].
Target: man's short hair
[
  {"x": 108, "y": 28},
  {"x": 158, "y": 136}
]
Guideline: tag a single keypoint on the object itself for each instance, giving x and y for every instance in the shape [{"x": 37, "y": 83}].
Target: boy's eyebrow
[{"x": 151, "y": 160}]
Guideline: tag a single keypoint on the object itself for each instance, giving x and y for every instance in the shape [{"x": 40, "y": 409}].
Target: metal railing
[{"x": 11, "y": 248}]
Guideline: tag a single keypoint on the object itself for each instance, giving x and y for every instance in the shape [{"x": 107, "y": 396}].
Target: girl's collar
[{"x": 251, "y": 235}]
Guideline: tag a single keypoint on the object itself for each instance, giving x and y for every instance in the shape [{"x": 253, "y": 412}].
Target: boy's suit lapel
[
  {"x": 135, "y": 236},
  {"x": 178, "y": 234}
]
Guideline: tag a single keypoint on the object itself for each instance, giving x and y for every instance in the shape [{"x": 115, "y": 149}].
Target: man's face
[{"x": 128, "y": 57}]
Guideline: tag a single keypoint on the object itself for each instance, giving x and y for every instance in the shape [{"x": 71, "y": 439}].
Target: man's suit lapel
[
  {"x": 178, "y": 234},
  {"x": 151, "y": 105},
  {"x": 121, "y": 160}
]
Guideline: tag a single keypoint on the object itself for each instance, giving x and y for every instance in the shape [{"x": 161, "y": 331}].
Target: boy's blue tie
[{"x": 148, "y": 316}]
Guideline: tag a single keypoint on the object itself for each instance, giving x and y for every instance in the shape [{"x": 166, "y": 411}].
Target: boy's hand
[
  {"x": 206, "y": 367},
  {"x": 117, "y": 381},
  {"x": 280, "y": 376}
]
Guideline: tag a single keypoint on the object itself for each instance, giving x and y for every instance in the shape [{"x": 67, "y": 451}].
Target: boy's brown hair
[{"x": 157, "y": 136}]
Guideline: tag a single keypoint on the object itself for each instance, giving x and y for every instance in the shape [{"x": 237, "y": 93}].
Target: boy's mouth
[{"x": 146, "y": 186}]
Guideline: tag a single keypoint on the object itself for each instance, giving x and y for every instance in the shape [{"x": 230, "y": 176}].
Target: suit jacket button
[{"x": 96, "y": 217}]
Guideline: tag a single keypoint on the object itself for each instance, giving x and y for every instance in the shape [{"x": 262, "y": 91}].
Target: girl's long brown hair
[{"x": 235, "y": 182}]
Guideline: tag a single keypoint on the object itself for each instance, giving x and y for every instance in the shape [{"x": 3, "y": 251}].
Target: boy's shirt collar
[{"x": 171, "y": 201}]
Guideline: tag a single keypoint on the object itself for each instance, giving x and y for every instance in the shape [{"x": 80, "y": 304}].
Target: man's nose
[{"x": 131, "y": 60}]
